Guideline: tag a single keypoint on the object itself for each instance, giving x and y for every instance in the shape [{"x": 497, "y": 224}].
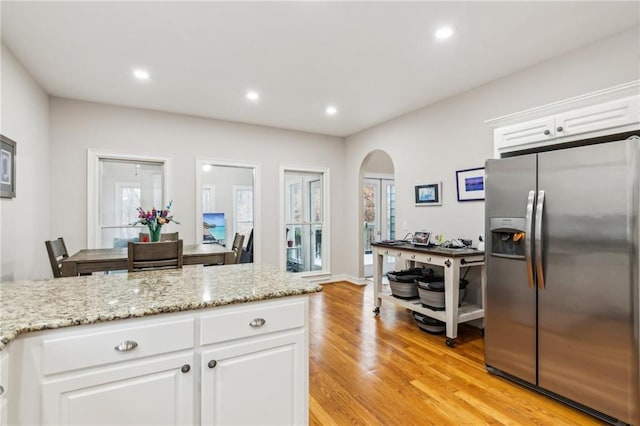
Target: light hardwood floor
[{"x": 368, "y": 370}]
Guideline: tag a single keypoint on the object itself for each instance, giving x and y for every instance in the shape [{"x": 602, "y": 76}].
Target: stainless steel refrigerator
[{"x": 562, "y": 264}]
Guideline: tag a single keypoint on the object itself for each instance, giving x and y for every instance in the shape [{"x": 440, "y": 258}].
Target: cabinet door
[
  {"x": 261, "y": 381},
  {"x": 4, "y": 386},
  {"x": 519, "y": 136},
  {"x": 601, "y": 117},
  {"x": 151, "y": 392}
]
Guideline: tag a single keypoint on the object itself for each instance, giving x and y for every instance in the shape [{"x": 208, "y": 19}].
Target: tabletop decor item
[{"x": 154, "y": 219}]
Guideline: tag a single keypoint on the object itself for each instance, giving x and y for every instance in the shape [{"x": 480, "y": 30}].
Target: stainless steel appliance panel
[
  {"x": 586, "y": 348},
  {"x": 510, "y": 314}
]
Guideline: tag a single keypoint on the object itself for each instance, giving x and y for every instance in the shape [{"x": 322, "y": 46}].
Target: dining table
[{"x": 87, "y": 261}]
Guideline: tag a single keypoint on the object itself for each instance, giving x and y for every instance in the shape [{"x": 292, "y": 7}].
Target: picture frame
[
  {"x": 470, "y": 184},
  {"x": 7, "y": 167},
  {"x": 429, "y": 194}
]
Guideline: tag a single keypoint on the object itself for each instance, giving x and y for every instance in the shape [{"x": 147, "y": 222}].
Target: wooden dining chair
[
  {"x": 169, "y": 236},
  {"x": 150, "y": 256},
  {"x": 57, "y": 251},
  {"x": 236, "y": 247}
]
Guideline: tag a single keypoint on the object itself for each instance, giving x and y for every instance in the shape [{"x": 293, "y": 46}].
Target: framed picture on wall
[
  {"x": 470, "y": 184},
  {"x": 429, "y": 194},
  {"x": 7, "y": 167}
]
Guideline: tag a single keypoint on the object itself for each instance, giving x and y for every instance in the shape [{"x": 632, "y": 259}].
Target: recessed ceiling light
[
  {"x": 252, "y": 95},
  {"x": 141, "y": 74},
  {"x": 331, "y": 110},
  {"x": 443, "y": 33}
]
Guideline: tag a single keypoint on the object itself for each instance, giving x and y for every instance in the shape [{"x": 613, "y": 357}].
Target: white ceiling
[{"x": 373, "y": 60}]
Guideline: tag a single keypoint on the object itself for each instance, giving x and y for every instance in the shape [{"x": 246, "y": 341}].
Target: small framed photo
[
  {"x": 429, "y": 194},
  {"x": 470, "y": 184},
  {"x": 7, "y": 167}
]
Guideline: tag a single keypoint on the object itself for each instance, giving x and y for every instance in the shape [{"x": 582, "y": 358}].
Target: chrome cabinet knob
[
  {"x": 212, "y": 363},
  {"x": 185, "y": 368},
  {"x": 559, "y": 128},
  {"x": 547, "y": 132},
  {"x": 127, "y": 345},
  {"x": 1, "y": 390},
  {"x": 258, "y": 322}
]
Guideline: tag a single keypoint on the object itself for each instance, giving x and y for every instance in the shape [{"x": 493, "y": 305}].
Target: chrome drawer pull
[
  {"x": 127, "y": 345},
  {"x": 258, "y": 322}
]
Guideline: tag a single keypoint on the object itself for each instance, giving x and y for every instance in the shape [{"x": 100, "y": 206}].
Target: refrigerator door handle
[
  {"x": 538, "y": 240},
  {"x": 528, "y": 247}
]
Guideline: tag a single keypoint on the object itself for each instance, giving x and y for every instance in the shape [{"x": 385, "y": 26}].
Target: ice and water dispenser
[{"x": 508, "y": 237}]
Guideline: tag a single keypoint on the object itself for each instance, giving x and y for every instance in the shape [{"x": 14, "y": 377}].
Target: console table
[{"x": 451, "y": 260}]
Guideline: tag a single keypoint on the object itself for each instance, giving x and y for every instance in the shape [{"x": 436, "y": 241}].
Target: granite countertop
[{"x": 47, "y": 304}]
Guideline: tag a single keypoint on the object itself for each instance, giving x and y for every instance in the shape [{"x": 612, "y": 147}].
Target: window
[
  {"x": 118, "y": 185},
  {"x": 243, "y": 211}
]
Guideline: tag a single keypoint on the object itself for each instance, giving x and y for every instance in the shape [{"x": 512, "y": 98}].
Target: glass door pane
[
  {"x": 304, "y": 221},
  {"x": 379, "y": 218}
]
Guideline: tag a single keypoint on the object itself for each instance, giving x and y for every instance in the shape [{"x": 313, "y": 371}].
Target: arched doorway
[{"x": 377, "y": 209}]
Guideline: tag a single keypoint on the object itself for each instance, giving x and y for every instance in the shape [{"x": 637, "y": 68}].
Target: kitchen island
[{"x": 197, "y": 345}]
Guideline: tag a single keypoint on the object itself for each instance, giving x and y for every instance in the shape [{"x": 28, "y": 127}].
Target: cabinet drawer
[
  {"x": 252, "y": 320},
  {"x": 82, "y": 349}
]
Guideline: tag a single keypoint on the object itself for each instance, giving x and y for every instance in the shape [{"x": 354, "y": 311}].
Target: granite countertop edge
[{"x": 27, "y": 324}]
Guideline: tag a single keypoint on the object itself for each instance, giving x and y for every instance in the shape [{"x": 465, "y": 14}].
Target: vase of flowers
[{"x": 154, "y": 219}]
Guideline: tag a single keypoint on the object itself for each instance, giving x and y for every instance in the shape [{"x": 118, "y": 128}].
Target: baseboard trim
[{"x": 340, "y": 278}]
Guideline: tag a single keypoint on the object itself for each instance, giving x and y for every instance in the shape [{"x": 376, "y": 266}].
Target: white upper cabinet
[{"x": 589, "y": 116}]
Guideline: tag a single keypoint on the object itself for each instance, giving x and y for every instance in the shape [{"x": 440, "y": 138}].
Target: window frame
[
  {"x": 326, "y": 222},
  {"x": 94, "y": 237}
]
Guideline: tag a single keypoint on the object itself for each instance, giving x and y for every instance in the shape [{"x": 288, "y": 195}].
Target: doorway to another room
[
  {"x": 226, "y": 204},
  {"x": 378, "y": 207}
]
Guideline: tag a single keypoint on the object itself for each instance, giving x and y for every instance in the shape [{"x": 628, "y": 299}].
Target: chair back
[
  {"x": 57, "y": 251},
  {"x": 149, "y": 256},
  {"x": 247, "y": 253},
  {"x": 237, "y": 247},
  {"x": 169, "y": 236}
]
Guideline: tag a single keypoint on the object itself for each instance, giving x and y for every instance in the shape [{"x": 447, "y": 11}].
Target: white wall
[
  {"x": 76, "y": 126},
  {"x": 430, "y": 144},
  {"x": 25, "y": 221}
]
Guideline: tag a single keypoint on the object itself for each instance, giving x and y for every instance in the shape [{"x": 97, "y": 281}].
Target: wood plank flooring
[{"x": 368, "y": 370}]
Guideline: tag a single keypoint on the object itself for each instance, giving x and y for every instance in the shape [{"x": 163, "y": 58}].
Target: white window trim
[
  {"x": 326, "y": 214},
  {"x": 93, "y": 183},
  {"x": 257, "y": 200}
]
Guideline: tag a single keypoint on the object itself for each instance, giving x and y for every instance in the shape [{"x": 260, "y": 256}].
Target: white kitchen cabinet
[
  {"x": 4, "y": 387},
  {"x": 156, "y": 370},
  {"x": 591, "y": 121},
  {"x": 601, "y": 113},
  {"x": 259, "y": 381},
  {"x": 157, "y": 391},
  {"x": 254, "y": 364}
]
